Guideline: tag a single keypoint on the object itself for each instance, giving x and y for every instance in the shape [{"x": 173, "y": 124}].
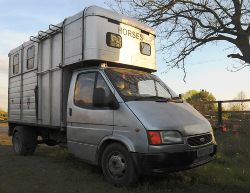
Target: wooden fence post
[{"x": 220, "y": 113}]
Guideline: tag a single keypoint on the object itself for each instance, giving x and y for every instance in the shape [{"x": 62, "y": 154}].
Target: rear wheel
[
  {"x": 18, "y": 145},
  {"x": 117, "y": 165},
  {"x": 24, "y": 141}
]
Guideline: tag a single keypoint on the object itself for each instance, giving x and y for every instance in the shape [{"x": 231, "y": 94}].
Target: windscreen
[{"x": 138, "y": 85}]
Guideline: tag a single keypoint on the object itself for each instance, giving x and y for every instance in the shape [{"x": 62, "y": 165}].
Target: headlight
[
  {"x": 164, "y": 137},
  {"x": 170, "y": 137}
]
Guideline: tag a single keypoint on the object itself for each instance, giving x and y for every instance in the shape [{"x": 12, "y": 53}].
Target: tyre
[
  {"x": 19, "y": 148},
  {"x": 24, "y": 141},
  {"x": 117, "y": 165}
]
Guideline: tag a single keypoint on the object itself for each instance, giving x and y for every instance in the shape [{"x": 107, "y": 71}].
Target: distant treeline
[{"x": 3, "y": 114}]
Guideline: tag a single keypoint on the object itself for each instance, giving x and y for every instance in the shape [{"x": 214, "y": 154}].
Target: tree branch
[{"x": 185, "y": 26}]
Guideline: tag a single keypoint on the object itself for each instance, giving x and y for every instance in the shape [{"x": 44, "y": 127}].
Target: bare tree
[
  {"x": 239, "y": 106},
  {"x": 189, "y": 25},
  {"x": 241, "y": 96}
]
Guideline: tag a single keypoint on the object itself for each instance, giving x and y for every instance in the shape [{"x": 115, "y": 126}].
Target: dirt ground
[{"x": 3, "y": 128}]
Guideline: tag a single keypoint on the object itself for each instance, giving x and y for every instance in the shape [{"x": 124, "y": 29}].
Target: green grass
[{"x": 51, "y": 169}]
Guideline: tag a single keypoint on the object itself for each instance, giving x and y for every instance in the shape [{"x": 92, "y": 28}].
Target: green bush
[{"x": 3, "y": 121}]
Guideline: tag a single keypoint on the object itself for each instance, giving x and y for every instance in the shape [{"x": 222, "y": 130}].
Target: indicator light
[{"x": 154, "y": 137}]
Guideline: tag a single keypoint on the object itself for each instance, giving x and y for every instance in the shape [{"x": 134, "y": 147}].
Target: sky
[{"x": 207, "y": 69}]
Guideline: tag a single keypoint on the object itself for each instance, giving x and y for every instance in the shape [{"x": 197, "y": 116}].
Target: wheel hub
[{"x": 117, "y": 165}]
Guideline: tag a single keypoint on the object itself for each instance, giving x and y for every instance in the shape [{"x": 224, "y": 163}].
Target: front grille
[{"x": 200, "y": 140}]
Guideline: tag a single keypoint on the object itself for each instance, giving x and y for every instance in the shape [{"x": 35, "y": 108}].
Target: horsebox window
[
  {"x": 30, "y": 57},
  {"x": 15, "y": 64},
  {"x": 113, "y": 40},
  {"x": 145, "y": 48}
]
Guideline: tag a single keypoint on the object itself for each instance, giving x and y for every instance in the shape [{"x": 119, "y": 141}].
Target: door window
[
  {"x": 84, "y": 89},
  {"x": 102, "y": 84}
]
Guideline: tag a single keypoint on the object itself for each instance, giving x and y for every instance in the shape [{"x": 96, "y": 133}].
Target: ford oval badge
[{"x": 202, "y": 140}]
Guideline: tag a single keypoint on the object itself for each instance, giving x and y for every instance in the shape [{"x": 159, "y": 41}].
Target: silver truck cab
[{"x": 138, "y": 111}]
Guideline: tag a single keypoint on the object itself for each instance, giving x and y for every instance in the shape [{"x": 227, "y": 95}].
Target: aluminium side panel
[
  {"x": 28, "y": 97},
  {"x": 29, "y": 83},
  {"x": 50, "y": 80},
  {"x": 55, "y": 94},
  {"x": 73, "y": 34},
  {"x": 44, "y": 87},
  {"x": 14, "y": 97},
  {"x": 56, "y": 79},
  {"x": 56, "y": 50},
  {"x": 14, "y": 111}
]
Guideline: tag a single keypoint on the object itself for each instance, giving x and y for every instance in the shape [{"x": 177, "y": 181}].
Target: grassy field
[{"x": 51, "y": 169}]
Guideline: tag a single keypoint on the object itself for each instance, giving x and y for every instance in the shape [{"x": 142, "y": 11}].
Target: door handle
[{"x": 70, "y": 112}]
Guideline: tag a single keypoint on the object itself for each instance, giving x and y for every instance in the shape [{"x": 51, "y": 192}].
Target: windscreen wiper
[
  {"x": 162, "y": 99},
  {"x": 176, "y": 100},
  {"x": 158, "y": 99},
  {"x": 173, "y": 99}
]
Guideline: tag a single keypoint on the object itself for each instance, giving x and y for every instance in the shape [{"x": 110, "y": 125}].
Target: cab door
[{"x": 86, "y": 124}]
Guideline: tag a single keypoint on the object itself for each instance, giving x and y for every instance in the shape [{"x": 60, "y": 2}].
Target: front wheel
[{"x": 117, "y": 165}]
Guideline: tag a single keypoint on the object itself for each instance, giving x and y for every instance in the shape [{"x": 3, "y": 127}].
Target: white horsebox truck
[{"x": 88, "y": 84}]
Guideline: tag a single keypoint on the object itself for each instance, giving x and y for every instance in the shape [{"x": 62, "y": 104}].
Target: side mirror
[
  {"x": 98, "y": 97},
  {"x": 180, "y": 96}
]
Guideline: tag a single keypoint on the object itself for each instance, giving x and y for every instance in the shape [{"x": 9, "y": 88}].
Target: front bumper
[{"x": 170, "y": 162}]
